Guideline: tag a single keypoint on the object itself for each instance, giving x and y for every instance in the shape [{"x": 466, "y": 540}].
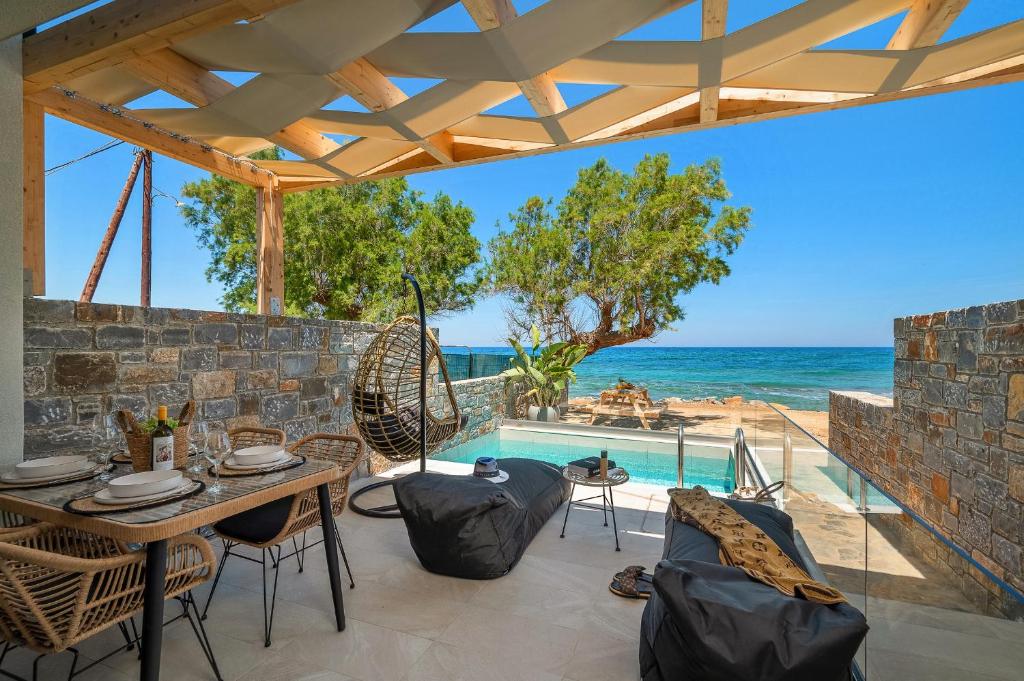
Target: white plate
[
  {"x": 230, "y": 462},
  {"x": 104, "y": 497},
  {"x": 254, "y": 456},
  {"x": 50, "y": 467},
  {"x": 144, "y": 484},
  {"x": 14, "y": 478}
]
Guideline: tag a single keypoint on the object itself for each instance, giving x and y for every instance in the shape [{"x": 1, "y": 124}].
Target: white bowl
[
  {"x": 253, "y": 456},
  {"x": 51, "y": 466},
  {"x": 144, "y": 484}
]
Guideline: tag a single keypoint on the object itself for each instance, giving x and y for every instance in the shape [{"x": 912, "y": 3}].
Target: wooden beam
[
  {"x": 751, "y": 111},
  {"x": 925, "y": 23},
  {"x": 367, "y": 85},
  {"x": 270, "y": 250},
  {"x": 713, "y": 14},
  {"x": 540, "y": 91},
  {"x": 114, "y": 123},
  {"x": 122, "y": 29},
  {"x": 183, "y": 78},
  {"x": 34, "y": 197}
]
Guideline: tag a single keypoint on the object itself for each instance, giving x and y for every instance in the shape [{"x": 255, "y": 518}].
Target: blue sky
[{"x": 860, "y": 215}]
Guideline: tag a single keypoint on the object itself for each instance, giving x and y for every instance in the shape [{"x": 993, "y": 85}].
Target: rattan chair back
[
  {"x": 254, "y": 437},
  {"x": 59, "y": 585}
]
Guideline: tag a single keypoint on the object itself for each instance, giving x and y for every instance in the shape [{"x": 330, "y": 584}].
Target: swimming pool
[{"x": 646, "y": 460}]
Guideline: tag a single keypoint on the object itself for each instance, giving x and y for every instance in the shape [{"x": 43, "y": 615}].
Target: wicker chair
[
  {"x": 59, "y": 586},
  {"x": 254, "y": 437},
  {"x": 268, "y": 526}
]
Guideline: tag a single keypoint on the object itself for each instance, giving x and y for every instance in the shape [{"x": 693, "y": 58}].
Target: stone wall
[
  {"x": 483, "y": 401},
  {"x": 951, "y": 447},
  {"x": 240, "y": 369}
]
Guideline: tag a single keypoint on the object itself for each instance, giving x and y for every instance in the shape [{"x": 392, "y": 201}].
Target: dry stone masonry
[
  {"x": 950, "y": 444},
  {"x": 240, "y": 369}
]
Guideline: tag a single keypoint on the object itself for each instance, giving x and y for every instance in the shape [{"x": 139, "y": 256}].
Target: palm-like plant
[{"x": 544, "y": 372}]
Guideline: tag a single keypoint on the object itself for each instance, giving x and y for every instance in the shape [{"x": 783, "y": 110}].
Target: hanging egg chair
[{"x": 390, "y": 406}]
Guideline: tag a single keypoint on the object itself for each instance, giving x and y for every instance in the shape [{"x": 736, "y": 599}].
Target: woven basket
[{"x": 140, "y": 444}]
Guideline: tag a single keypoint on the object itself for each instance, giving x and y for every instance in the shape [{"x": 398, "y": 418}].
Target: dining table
[{"x": 154, "y": 525}]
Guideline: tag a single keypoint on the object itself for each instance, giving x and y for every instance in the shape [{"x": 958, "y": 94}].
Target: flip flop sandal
[
  {"x": 637, "y": 570},
  {"x": 629, "y": 586}
]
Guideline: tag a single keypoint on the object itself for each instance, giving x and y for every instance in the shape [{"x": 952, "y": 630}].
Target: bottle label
[{"x": 163, "y": 453}]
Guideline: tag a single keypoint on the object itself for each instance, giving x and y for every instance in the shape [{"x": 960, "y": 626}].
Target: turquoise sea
[{"x": 797, "y": 377}]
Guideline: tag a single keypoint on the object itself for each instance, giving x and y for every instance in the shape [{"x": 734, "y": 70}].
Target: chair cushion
[
  {"x": 470, "y": 527},
  {"x": 257, "y": 525},
  {"x": 712, "y": 622}
]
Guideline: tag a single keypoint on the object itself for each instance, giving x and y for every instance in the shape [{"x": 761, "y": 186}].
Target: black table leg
[
  {"x": 153, "y": 610},
  {"x": 568, "y": 506},
  {"x": 323, "y": 493},
  {"x": 615, "y": 525}
]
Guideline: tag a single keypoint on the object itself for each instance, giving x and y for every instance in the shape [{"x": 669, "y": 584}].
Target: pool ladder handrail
[{"x": 740, "y": 456}]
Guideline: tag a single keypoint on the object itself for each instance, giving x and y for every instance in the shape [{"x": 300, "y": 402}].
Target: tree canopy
[
  {"x": 608, "y": 265},
  {"x": 346, "y": 247}
]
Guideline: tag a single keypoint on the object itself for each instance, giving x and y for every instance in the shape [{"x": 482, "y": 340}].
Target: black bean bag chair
[
  {"x": 710, "y": 622},
  {"x": 469, "y": 527}
]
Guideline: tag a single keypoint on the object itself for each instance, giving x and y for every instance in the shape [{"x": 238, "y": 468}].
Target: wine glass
[
  {"x": 198, "y": 434},
  {"x": 104, "y": 438},
  {"x": 218, "y": 446}
]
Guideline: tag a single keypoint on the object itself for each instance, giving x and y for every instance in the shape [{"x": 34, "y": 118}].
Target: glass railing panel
[{"x": 934, "y": 612}]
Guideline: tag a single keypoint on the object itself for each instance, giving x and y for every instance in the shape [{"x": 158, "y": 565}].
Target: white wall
[{"x": 12, "y": 409}]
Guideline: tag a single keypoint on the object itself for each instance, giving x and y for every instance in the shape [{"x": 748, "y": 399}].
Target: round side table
[{"x": 616, "y": 477}]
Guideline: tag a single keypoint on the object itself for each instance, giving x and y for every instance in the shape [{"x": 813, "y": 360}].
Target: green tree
[
  {"x": 346, "y": 247},
  {"x": 608, "y": 266}
]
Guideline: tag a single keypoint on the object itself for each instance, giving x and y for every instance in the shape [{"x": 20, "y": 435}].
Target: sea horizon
[{"x": 799, "y": 377}]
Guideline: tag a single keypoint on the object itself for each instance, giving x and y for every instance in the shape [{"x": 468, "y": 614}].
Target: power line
[{"x": 99, "y": 150}]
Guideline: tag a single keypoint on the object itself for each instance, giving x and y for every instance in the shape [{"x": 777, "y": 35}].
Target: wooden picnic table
[
  {"x": 626, "y": 402},
  {"x": 154, "y": 526}
]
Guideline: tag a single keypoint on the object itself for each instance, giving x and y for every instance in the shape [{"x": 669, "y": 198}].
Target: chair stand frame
[
  {"x": 389, "y": 511},
  {"x": 190, "y": 611},
  {"x": 299, "y": 553}
]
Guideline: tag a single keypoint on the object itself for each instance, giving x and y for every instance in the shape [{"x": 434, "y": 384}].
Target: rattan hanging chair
[
  {"x": 386, "y": 394},
  {"x": 396, "y": 403}
]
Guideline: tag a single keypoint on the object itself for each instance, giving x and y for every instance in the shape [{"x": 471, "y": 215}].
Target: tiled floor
[{"x": 551, "y": 619}]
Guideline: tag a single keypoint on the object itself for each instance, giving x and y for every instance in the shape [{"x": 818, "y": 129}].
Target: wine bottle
[
  {"x": 603, "y": 466},
  {"x": 163, "y": 442}
]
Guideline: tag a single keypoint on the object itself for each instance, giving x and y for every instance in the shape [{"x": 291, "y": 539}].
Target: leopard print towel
[{"x": 742, "y": 544}]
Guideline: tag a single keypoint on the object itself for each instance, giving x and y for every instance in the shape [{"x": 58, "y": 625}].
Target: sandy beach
[{"x": 708, "y": 416}]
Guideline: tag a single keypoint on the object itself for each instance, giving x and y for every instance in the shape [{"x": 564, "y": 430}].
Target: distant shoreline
[{"x": 798, "y": 377}]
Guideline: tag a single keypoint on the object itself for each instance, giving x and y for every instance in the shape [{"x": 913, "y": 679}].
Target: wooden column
[
  {"x": 270, "y": 250},
  {"x": 34, "y": 201}
]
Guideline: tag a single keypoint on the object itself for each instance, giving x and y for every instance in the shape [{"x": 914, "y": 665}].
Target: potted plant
[{"x": 544, "y": 373}]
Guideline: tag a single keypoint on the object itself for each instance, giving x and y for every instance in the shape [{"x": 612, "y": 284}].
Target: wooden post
[
  {"x": 147, "y": 228},
  {"x": 270, "y": 250},
  {"x": 34, "y": 198},
  {"x": 89, "y": 290}
]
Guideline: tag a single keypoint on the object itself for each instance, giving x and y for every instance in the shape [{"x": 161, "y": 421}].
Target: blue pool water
[{"x": 649, "y": 462}]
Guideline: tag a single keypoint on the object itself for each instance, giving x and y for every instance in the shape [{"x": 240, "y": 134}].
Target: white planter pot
[{"x": 548, "y": 414}]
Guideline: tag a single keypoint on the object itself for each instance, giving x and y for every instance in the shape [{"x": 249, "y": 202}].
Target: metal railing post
[
  {"x": 863, "y": 508},
  {"x": 680, "y": 457},
  {"x": 740, "y": 449},
  {"x": 787, "y": 467}
]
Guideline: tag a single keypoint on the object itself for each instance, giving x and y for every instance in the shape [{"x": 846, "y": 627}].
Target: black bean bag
[
  {"x": 469, "y": 527},
  {"x": 712, "y": 622}
]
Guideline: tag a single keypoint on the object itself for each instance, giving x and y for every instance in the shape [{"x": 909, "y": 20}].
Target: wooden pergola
[{"x": 304, "y": 54}]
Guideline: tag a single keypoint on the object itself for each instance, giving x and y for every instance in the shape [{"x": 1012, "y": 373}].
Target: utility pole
[
  {"x": 147, "y": 228},
  {"x": 89, "y": 290}
]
